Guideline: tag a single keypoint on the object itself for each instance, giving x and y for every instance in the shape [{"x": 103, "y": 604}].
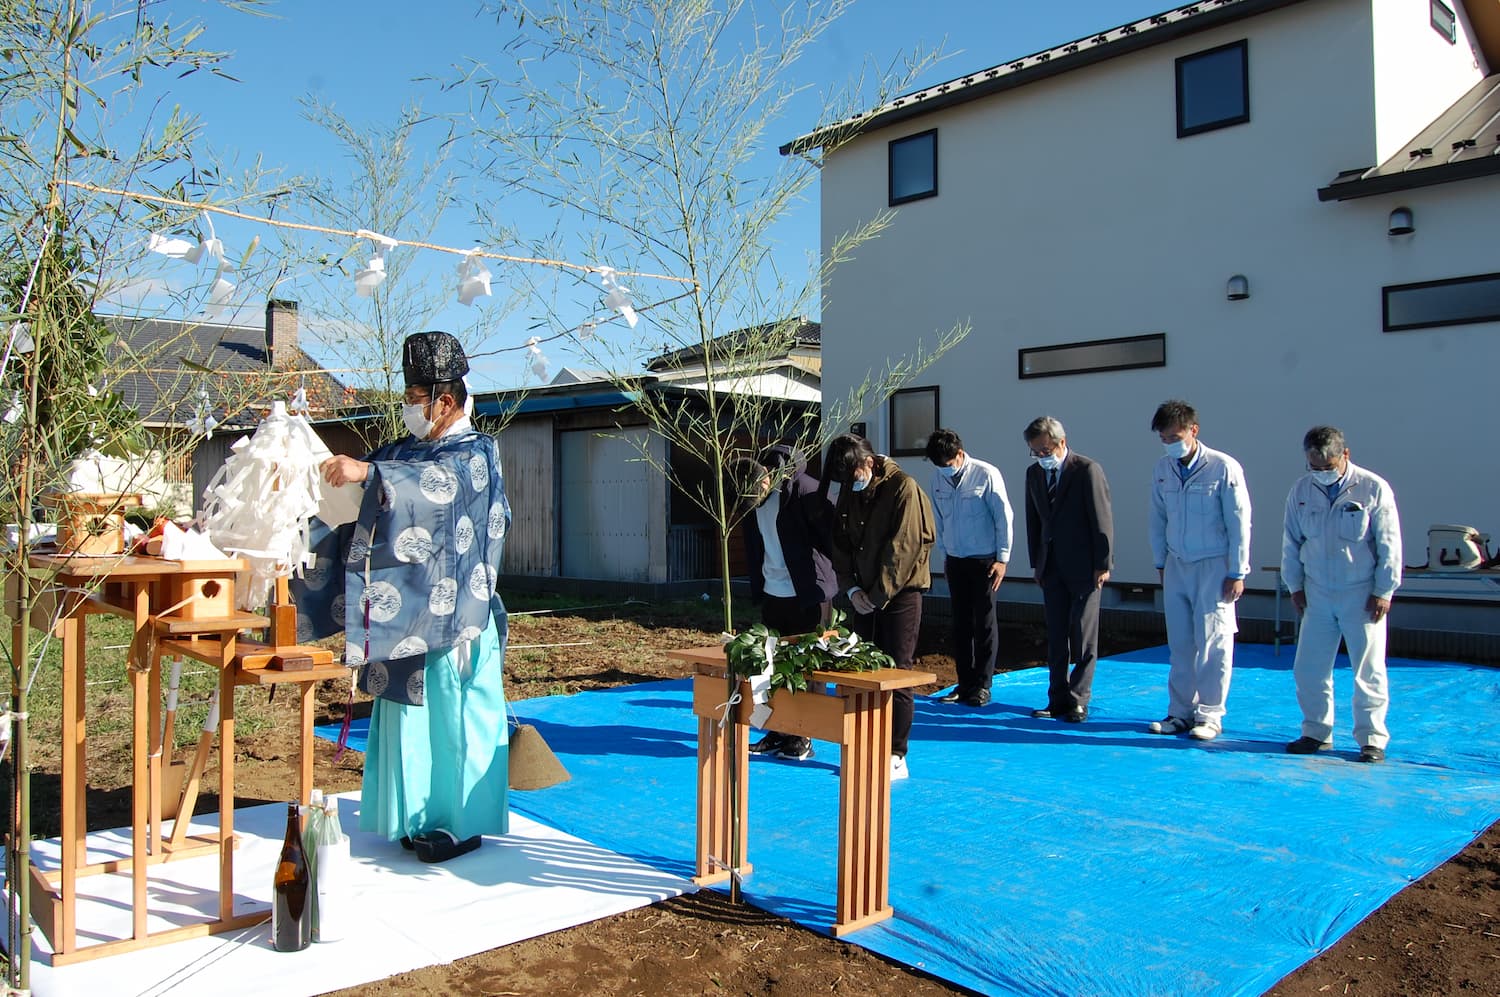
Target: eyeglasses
[
  {"x": 418, "y": 399},
  {"x": 1046, "y": 452}
]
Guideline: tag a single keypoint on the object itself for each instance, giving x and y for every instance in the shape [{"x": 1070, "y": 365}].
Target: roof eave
[
  {"x": 1391, "y": 183},
  {"x": 1041, "y": 70}
]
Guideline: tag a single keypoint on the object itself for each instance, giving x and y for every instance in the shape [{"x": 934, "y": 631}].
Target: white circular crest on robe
[
  {"x": 384, "y": 601},
  {"x": 316, "y": 577},
  {"x": 359, "y": 546},
  {"x": 388, "y": 495},
  {"x": 479, "y": 472},
  {"x": 469, "y": 633},
  {"x": 415, "y": 683},
  {"x": 444, "y": 598},
  {"x": 463, "y": 534},
  {"x": 413, "y": 545},
  {"x": 336, "y": 610},
  {"x": 377, "y": 677},
  {"x": 438, "y": 484},
  {"x": 354, "y": 654},
  {"x": 409, "y": 647},
  {"x": 496, "y": 525},
  {"x": 482, "y": 582}
]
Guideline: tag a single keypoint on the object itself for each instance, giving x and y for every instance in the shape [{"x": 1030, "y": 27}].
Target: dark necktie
[{"x": 1052, "y": 483}]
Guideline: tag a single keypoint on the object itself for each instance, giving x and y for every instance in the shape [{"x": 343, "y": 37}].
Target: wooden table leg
[
  {"x": 715, "y": 851},
  {"x": 864, "y": 814},
  {"x": 226, "y": 779},
  {"x": 154, "y": 755},
  {"x": 305, "y": 755},
  {"x": 72, "y": 776},
  {"x": 137, "y": 666}
]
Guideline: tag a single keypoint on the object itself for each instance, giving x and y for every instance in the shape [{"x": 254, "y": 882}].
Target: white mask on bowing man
[
  {"x": 863, "y": 475},
  {"x": 1179, "y": 442},
  {"x": 1049, "y": 453}
]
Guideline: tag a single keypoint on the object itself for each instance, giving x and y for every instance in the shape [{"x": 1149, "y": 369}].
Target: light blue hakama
[{"x": 444, "y": 764}]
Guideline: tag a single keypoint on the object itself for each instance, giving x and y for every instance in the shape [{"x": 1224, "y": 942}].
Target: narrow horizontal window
[
  {"x": 1444, "y": 22},
  {"x": 1213, "y": 89},
  {"x": 1099, "y": 355},
  {"x": 914, "y": 415},
  {"x": 1433, "y": 303},
  {"x": 913, "y": 167}
]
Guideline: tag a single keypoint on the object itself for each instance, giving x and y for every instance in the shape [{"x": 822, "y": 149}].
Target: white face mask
[
  {"x": 948, "y": 471},
  {"x": 413, "y": 417},
  {"x": 860, "y": 484},
  {"x": 1051, "y": 462},
  {"x": 1178, "y": 449},
  {"x": 1326, "y": 478}
]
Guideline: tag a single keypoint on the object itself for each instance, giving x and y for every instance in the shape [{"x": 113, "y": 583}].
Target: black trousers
[
  {"x": 893, "y": 628},
  {"x": 975, "y": 632},
  {"x": 1072, "y": 613},
  {"x": 789, "y": 617}
]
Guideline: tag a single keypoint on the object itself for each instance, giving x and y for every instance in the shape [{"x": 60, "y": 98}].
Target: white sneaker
[
  {"x": 1204, "y": 732},
  {"x": 898, "y": 768},
  {"x": 1168, "y": 725}
]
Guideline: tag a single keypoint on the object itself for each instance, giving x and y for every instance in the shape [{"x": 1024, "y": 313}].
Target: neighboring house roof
[
  {"x": 1463, "y": 142},
  {"x": 1144, "y": 33},
  {"x": 164, "y": 363},
  {"x": 801, "y": 333}
]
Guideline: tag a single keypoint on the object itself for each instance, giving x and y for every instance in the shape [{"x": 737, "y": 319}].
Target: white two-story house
[{"x": 1286, "y": 212}]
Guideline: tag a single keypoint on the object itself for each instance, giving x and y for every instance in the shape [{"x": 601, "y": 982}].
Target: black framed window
[
  {"x": 1434, "y": 303},
  {"x": 1444, "y": 21},
  {"x": 1127, "y": 353},
  {"x": 913, "y": 167},
  {"x": 1213, "y": 89},
  {"x": 914, "y": 415}
]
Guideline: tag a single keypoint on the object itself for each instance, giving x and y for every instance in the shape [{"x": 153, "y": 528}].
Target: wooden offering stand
[
  {"x": 180, "y": 609},
  {"x": 851, "y": 709}
]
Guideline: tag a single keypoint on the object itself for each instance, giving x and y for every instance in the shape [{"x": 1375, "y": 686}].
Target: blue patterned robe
[{"x": 420, "y": 564}]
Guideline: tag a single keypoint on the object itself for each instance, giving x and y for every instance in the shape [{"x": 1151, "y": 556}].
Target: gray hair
[
  {"x": 1045, "y": 426},
  {"x": 1326, "y": 441}
]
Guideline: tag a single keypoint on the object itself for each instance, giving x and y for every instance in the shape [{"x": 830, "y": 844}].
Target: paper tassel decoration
[
  {"x": 617, "y": 296},
  {"x": 19, "y": 339},
  {"x": 473, "y": 279},
  {"x": 299, "y": 404},
  {"x": 13, "y": 410},
  {"x": 177, "y": 249},
  {"x": 368, "y": 279},
  {"x": 536, "y": 359},
  {"x": 218, "y": 294},
  {"x": 259, "y": 502},
  {"x": 586, "y": 331},
  {"x": 203, "y": 422}
]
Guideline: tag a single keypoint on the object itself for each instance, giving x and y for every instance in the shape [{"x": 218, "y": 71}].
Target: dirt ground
[{"x": 1441, "y": 936}]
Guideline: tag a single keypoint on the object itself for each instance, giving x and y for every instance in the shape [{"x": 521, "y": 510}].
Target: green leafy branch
[{"x": 835, "y": 648}]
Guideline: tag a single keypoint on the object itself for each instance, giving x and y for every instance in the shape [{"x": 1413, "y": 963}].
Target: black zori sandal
[{"x": 441, "y": 845}]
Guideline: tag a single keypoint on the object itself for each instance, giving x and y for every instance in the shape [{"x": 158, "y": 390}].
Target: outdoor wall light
[
  {"x": 1238, "y": 288},
  {"x": 1401, "y": 222}
]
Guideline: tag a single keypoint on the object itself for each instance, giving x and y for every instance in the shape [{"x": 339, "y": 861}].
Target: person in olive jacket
[{"x": 882, "y": 539}]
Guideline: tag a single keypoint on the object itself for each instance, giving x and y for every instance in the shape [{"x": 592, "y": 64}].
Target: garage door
[{"x": 605, "y": 506}]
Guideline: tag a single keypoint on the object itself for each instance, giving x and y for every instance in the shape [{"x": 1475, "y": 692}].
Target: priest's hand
[{"x": 341, "y": 470}]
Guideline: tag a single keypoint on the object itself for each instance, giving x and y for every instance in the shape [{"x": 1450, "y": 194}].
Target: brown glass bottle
[{"x": 291, "y": 890}]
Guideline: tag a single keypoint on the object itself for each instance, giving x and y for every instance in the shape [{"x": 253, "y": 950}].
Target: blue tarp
[{"x": 1041, "y": 858}]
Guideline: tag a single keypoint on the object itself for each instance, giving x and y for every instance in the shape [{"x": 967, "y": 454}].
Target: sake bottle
[
  {"x": 333, "y": 875},
  {"x": 311, "y": 829},
  {"x": 291, "y": 891}
]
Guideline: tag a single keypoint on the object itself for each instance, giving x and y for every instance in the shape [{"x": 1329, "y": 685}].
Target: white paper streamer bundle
[{"x": 258, "y": 505}]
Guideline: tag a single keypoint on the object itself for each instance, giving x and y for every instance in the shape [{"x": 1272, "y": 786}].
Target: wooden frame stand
[{"x": 851, "y": 709}]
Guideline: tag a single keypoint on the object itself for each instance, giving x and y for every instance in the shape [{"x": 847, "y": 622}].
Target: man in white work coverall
[
  {"x": 1341, "y": 561},
  {"x": 1200, "y": 538}
]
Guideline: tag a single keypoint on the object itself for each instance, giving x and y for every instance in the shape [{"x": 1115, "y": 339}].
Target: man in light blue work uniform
[
  {"x": 1200, "y": 538},
  {"x": 1341, "y": 561},
  {"x": 974, "y": 530}
]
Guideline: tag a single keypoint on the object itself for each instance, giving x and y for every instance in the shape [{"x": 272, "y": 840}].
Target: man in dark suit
[{"x": 1070, "y": 537}]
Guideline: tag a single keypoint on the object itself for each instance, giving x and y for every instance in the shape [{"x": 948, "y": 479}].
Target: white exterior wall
[
  {"x": 1068, "y": 210},
  {"x": 1418, "y": 72}
]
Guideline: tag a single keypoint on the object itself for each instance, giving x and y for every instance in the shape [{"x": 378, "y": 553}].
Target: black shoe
[
  {"x": 770, "y": 743},
  {"x": 1076, "y": 715},
  {"x": 795, "y": 749},
  {"x": 978, "y": 699},
  {"x": 1045, "y": 713},
  {"x": 1370, "y": 753},
  {"x": 441, "y": 845},
  {"x": 1308, "y": 746},
  {"x": 953, "y": 695}
]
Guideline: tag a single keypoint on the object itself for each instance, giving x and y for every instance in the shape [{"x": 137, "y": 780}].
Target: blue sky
[{"x": 367, "y": 60}]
